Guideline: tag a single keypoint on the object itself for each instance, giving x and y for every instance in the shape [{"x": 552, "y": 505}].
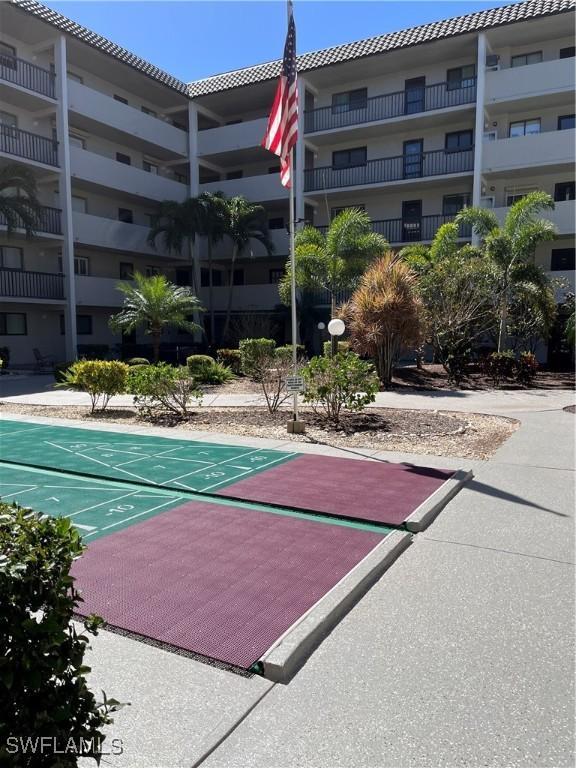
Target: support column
[
  {"x": 300, "y": 156},
  {"x": 194, "y": 191},
  {"x": 479, "y": 123},
  {"x": 65, "y": 195}
]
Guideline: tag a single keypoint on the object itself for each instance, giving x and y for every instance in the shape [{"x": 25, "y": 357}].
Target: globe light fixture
[
  {"x": 321, "y": 326},
  {"x": 336, "y": 327}
]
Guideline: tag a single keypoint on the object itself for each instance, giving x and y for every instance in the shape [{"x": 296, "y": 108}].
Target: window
[
  {"x": 565, "y": 122},
  {"x": 453, "y": 204},
  {"x": 565, "y": 53},
  {"x": 126, "y": 270},
  {"x": 181, "y": 177},
  {"x": 84, "y": 325},
  {"x": 122, "y": 158},
  {"x": 13, "y": 324},
  {"x": 277, "y": 222},
  {"x": 7, "y": 56},
  {"x": 81, "y": 265},
  {"x": 461, "y": 77},
  {"x": 563, "y": 259},
  {"x": 524, "y": 127},
  {"x": 150, "y": 219},
  {"x": 152, "y": 271},
  {"x": 564, "y": 190},
  {"x": 349, "y": 100},
  {"x": 8, "y": 119},
  {"x": 126, "y": 215},
  {"x": 121, "y": 99},
  {"x": 77, "y": 141},
  {"x": 275, "y": 275},
  {"x": 238, "y": 277},
  {"x": 517, "y": 193},
  {"x": 76, "y": 78},
  {"x": 150, "y": 167},
  {"x": 205, "y": 278},
  {"x": 349, "y": 158},
  {"x": 79, "y": 204},
  {"x": 148, "y": 111},
  {"x": 10, "y": 257},
  {"x": 234, "y": 175},
  {"x": 458, "y": 140},
  {"x": 526, "y": 58},
  {"x": 274, "y": 169},
  {"x": 233, "y": 122}
]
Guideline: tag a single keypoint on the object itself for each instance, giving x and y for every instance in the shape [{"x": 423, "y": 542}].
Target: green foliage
[
  {"x": 61, "y": 372},
  {"x": 162, "y": 388},
  {"x": 343, "y": 346},
  {"x": 526, "y": 368},
  {"x": 196, "y": 363},
  {"x": 255, "y": 356},
  {"x": 43, "y": 688},
  {"x": 101, "y": 379},
  {"x": 230, "y": 358},
  {"x": 205, "y": 370},
  {"x": 93, "y": 351},
  {"x": 568, "y": 308},
  {"x": 285, "y": 352},
  {"x": 19, "y": 204},
  {"x": 4, "y": 357},
  {"x": 341, "y": 382},
  {"x": 500, "y": 366},
  {"x": 138, "y": 361}
]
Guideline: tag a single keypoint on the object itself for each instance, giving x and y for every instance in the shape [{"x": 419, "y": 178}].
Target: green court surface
[{"x": 178, "y": 464}]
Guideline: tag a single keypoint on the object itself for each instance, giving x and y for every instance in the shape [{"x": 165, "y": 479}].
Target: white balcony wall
[
  {"x": 255, "y": 188},
  {"x": 228, "y": 138},
  {"x": 244, "y": 298},
  {"x": 98, "y": 292},
  {"x": 133, "y": 122},
  {"x": 547, "y": 77},
  {"x": 106, "y": 172},
  {"x": 223, "y": 250},
  {"x": 551, "y": 148},
  {"x": 563, "y": 216},
  {"x": 117, "y": 235}
]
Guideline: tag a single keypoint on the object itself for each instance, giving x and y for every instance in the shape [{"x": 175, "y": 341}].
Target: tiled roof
[
  {"x": 64, "y": 24},
  {"x": 438, "y": 30}
]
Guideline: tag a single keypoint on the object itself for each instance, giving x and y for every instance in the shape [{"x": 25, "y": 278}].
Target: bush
[
  {"x": 137, "y": 361},
  {"x": 343, "y": 346},
  {"x": 500, "y": 366},
  {"x": 4, "y": 358},
  {"x": 205, "y": 370},
  {"x": 43, "y": 689},
  {"x": 196, "y": 363},
  {"x": 255, "y": 355},
  {"x": 162, "y": 387},
  {"x": 285, "y": 352},
  {"x": 344, "y": 381},
  {"x": 101, "y": 379},
  {"x": 230, "y": 358},
  {"x": 526, "y": 368},
  {"x": 93, "y": 351},
  {"x": 61, "y": 371}
]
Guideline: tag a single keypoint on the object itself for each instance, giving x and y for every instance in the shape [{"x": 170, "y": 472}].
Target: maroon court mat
[
  {"x": 216, "y": 579},
  {"x": 366, "y": 490}
]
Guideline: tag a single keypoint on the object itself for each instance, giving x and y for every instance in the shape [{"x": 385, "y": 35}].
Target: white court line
[
  {"x": 126, "y": 519},
  {"x": 85, "y": 527},
  {"x": 97, "y": 461},
  {"x": 227, "y": 480},
  {"x": 102, "y": 503},
  {"x": 215, "y": 465},
  {"x": 15, "y": 493},
  {"x": 20, "y": 431}
]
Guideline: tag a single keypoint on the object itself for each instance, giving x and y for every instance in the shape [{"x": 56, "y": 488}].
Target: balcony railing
[
  {"x": 404, "y": 167},
  {"x": 389, "y": 105},
  {"x": 27, "y": 75},
  {"x": 31, "y": 285},
  {"x": 49, "y": 220},
  {"x": 413, "y": 230},
  {"x": 30, "y": 146}
]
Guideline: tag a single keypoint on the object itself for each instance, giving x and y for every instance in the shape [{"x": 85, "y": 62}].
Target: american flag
[{"x": 282, "y": 130}]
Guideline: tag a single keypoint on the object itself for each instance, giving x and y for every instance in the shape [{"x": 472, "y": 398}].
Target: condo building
[{"x": 411, "y": 126}]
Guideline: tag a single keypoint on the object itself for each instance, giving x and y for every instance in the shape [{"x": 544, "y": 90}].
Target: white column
[
  {"x": 479, "y": 124},
  {"x": 194, "y": 171},
  {"x": 300, "y": 156},
  {"x": 65, "y": 195}
]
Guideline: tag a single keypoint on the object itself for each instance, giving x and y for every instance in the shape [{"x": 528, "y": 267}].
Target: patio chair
[{"x": 42, "y": 362}]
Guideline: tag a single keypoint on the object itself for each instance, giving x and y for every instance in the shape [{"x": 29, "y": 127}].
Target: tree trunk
[
  {"x": 333, "y": 339},
  {"x": 211, "y": 294},
  {"x": 502, "y": 334},
  {"x": 155, "y": 345},
  {"x": 195, "y": 285},
  {"x": 230, "y": 294}
]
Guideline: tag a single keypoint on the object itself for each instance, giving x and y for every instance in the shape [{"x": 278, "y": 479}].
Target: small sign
[{"x": 294, "y": 384}]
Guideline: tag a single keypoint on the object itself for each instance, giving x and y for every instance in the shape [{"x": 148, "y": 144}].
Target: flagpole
[{"x": 293, "y": 284}]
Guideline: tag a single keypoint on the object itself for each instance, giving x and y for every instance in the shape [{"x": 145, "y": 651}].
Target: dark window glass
[
  {"x": 349, "y": 100},
  {"x": 524, "y": 127},
  {"x": 453, "y": 204},
  {"x": 275, "y": 275},
  {"x": 205, "y": 278},
  {"x": 148, "y": 111},
  {"x": 274, "y": 169},
  {"x": 562, "y": 259},
  {"x": 568, "y": 53},
  {"x": 13, "y": 324},
  {"x": 62, "y": 325},
  {"x": 461, "y": 77},
  {"x": 277, "y": 222},
  {"x": 458, "y": 140},
  {"x": 238, "y": 277},
  {"x": 413, "y": 157},
  {"x": 126, "y": 270},
  {"x": 564, "y": 190},
  {"x": 84, "y": 325},
  {"x": 8, "y": 56},
  {"x": 121, "y": 99},
  {"x": 349, "y": 158},
  {"x": 526, "y": 58},
  {"x": 122, "y": 158},
  {"x": 234, "y": 175},
  {"x": 125, "y": 215},
  {"x": 414, "y": 95},
  {"x": 234, "y": 122},
  {"x": 565, "y": 122}
]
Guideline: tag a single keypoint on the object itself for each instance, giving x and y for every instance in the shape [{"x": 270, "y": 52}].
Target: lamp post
[{"x": 336, "y": 328}]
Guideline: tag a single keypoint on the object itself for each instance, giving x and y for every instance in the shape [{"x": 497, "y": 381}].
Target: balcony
[
  {"x": 406, "y": 231},
  {"x": 257, "y": 189},
  {"x": 28, "y": 146},
  {"x": 388, "y": 169},
  {"x": 548, "y": 81},
  {"x": 223, "y": 249},
  {"x": 104, "y": 172},
  {"x": 229, "y": 138},
  {"x": 524, "y": 153},
  {"x": 388, "y": 106},
  {"x": 116, "y": 121},
  {"x": 244, "y": 297},
  {"x": 563, "y": 216},
  {"x": 27, "y": 75},
  {"x": 98, "y": 292},
  {"x": 49, "y": 221},
  {"x": 16, "y": 283},
  {"x": 117, "y": 235}
]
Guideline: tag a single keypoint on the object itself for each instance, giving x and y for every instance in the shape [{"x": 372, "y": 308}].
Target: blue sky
[{"x": 197, "y": 39}]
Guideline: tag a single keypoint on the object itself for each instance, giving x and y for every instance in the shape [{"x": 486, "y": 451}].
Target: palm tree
[
  {"x": 334, "y": 261},
  {"x": 19, "y": 206},
  {"x": 384, "y": 315},
  {"x": 511, "y": 246},
  {"x": 244, "y": 222},
  {"x": 177, "y": 224},
  {"x": 156, "y": 304},
  {"x": 211, "y": 225}
]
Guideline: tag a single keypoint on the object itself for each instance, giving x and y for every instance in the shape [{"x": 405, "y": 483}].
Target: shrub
[
  {"x": 343, "y": 346},
  {"x": 500, "y": 366},
  {"x": 216, "y": 373},
  {"x": 196, "y": 363},
  {"x": 61, "y": 371},
  {"x": 137, "y": 361},
  {"x": 255, "y": 355},
  {"x": 285, "y": 352},
  {"x": 162, "y": 387},
  {"x": 526, "y": 368},
  {"x": 101, "y": 379},
  {"x": 230, "y": 358},
  {"x": 4, "y": 357},
  {"x": 43, "y": 688},
  {"x": 344, "y": 381}
]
